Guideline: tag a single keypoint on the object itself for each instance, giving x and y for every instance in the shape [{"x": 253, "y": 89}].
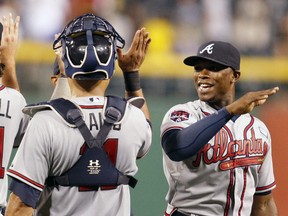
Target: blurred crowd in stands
[{"x": 256, "y": 27}]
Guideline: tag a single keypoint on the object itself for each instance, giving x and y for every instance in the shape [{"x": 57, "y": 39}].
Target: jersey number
[
  {"x": 111, "y": 148},
  {"x": 2, "y": 169}
]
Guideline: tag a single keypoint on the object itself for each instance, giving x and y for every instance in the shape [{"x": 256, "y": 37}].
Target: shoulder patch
[{"x": 179, "y": 116}]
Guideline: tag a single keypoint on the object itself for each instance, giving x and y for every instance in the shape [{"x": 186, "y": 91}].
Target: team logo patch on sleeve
[{"x": 179, "y": 116}]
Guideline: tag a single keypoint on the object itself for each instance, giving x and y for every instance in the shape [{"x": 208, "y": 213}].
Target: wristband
[{"x": 132, "y": 81}]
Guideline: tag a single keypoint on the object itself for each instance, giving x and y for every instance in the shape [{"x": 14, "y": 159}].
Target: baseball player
[
  {"x": 12, "y": 120},
  {"x": 50, "y": 147},
  {"x": 217, "y": 157}
]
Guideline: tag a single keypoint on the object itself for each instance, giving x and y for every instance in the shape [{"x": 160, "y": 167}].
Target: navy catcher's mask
[{"x": 89, "y": 47}]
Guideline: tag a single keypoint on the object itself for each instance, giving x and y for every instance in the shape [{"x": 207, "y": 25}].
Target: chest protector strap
[{"x": 94, "y": 168}]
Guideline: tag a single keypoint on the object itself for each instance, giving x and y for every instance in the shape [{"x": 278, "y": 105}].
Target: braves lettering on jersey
[
  {"x": 54, "y": 147},
  {"x": 226, "y": 173},
  {"x": 12, "y": 126}
]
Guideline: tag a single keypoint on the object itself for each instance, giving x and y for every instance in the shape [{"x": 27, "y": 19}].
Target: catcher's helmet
[{"x": 89, "y": 47}]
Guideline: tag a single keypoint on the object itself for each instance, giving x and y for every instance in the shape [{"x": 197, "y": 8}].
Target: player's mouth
[{"x": 204, "y": 87}]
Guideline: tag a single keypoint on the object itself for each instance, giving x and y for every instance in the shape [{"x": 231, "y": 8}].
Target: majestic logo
[
  {"x": 208, "y": 48},
  {"x": 179, "y": 116},
  {"x": 94, "y": 167},
  {"x": 232, "y": 154}
]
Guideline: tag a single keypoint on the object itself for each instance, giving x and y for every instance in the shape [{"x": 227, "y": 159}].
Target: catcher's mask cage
[{"x": 89, "y": 47}]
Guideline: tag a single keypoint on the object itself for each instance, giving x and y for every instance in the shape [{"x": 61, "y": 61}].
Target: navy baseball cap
[{"x": 217, "y": 51}]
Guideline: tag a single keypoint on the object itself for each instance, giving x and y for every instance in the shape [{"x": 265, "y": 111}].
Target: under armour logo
[
  {"x": 94, "y": 167},
  {"x": 93, "y": 163},
  {"x": 208, "y": 48}
]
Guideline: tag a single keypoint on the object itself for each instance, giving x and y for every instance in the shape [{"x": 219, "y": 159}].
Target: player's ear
[
  {"x": 53, "y": 80},
  {"x": 235, "y": 75}
]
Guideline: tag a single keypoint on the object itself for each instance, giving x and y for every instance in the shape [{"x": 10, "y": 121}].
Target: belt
[{"x": 177, "y": 213}]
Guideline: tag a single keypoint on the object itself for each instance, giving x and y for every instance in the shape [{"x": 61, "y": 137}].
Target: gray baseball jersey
[
  {"x": 223, "y": 176},
  {"x": 50, "y": 147},
  {"x": 11, "y": 127}
]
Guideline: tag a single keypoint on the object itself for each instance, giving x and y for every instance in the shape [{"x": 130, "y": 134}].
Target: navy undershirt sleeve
[
  {"x": 182, "y": 144},
  {"x": 263, "y": 193},
  {"x": 26, "y": 193}
]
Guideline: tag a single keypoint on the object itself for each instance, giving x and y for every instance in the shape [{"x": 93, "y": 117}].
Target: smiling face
[{"x": 215, "y": 83}]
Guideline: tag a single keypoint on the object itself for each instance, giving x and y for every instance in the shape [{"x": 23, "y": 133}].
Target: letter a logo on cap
[{"x": 208, "y": 48}]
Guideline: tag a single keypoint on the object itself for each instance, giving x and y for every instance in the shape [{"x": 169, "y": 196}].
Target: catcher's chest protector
[{"x": 94, "y": 168}]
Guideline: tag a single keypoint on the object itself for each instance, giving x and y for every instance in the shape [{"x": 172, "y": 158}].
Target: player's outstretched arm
[
  {"x": 130, "y": 63},
  {"x": 188, "y": 141},
  {"x": 246, "y": 103},
  {"x": 16, "y": 207},
  {"x": 8, "y": 48},
  {"x": 264, "y": 205}
]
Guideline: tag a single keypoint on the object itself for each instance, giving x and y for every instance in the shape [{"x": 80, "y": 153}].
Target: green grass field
[{"x": 148, "y": 198}]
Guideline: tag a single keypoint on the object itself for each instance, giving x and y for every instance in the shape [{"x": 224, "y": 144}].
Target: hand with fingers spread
[
  {"x": 250, "y": 100},
  {"x": 130, "y": 63},
  {"x": 134, "y": 57},
  {"x": 8, "y": 49},
  {"x": 9, "y": 40}
]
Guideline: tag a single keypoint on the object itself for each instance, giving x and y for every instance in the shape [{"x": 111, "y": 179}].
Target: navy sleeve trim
[
  {"x": 263, "y": 193},
  {"x": 182, "y": 144},
  {"x": 26, "y": 193},
  {"x": 149, "y": 122}
]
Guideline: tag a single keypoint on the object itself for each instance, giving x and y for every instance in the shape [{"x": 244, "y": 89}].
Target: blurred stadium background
[{"x": 259, "y": 28}]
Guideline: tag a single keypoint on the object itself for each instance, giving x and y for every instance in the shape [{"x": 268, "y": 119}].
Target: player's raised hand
[
  {"x": 134, "y": 57},
  {"x": 9, "y": 42},
  {"x": 130, "y": 63},
  {"x": 8, "y": 49},
  {"x": 246, "y": 103}
]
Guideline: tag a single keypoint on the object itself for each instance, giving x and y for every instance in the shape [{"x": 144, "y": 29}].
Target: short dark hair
[
  {"x": 56, "y": 69},
  {"x": 2, "y": 68}
]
